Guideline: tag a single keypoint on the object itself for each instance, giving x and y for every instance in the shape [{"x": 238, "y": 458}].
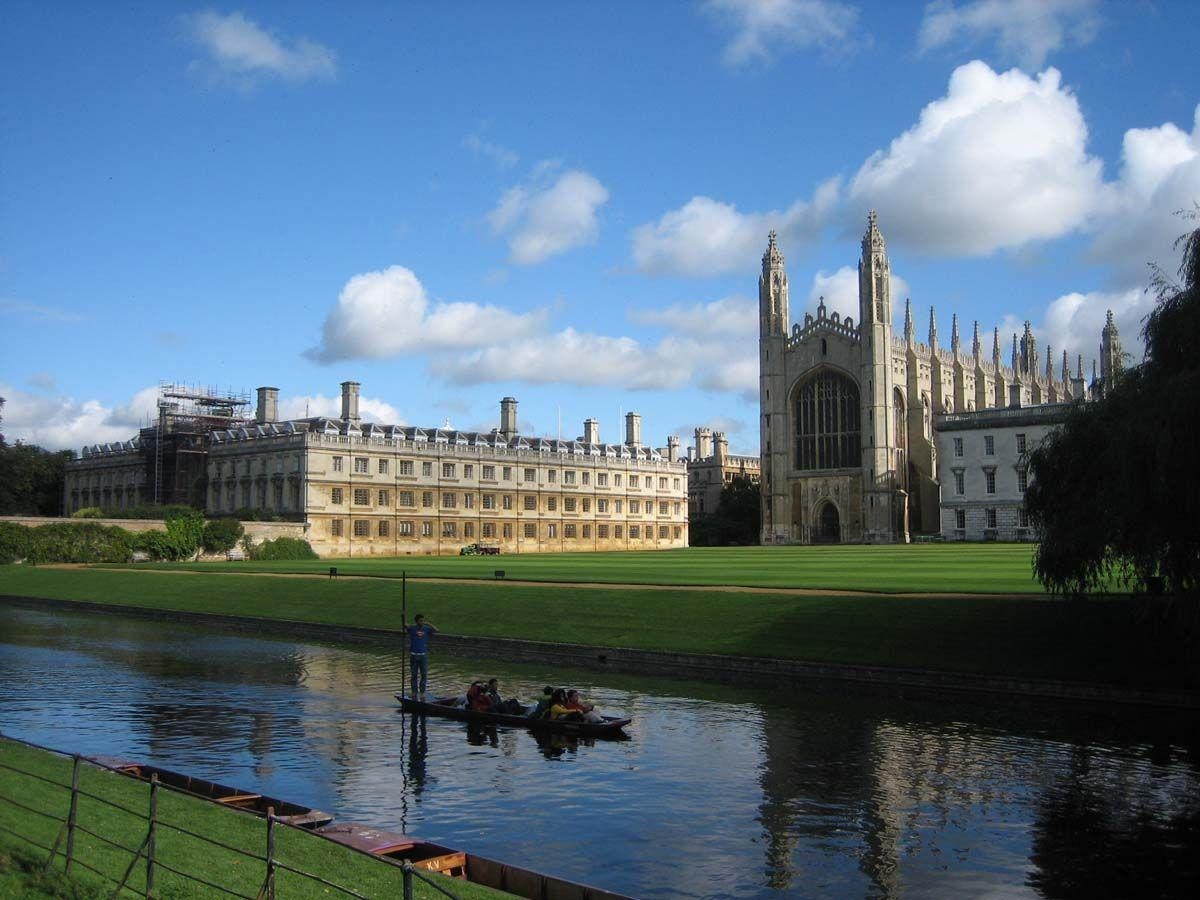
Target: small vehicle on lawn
[{"x": 480, "y": 550}]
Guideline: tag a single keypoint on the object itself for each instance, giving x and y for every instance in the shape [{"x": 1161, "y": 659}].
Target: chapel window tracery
[{"x": 828, "y": 424}]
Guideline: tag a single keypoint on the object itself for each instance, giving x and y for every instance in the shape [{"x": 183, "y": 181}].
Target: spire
[
  {"x": 1016, "y": 358},
  {"x": 932, "y": 329},
  {"x": 773, "y": 291},
  {"x": 1079, "y": 370},
  {"x": 954, "y": 342},
  {"x": 772, "y": 258},
  {"x": 975, "y": 341},
  {"x": 908, "y": 322},
  {"x": 1110, "y": 350},
  {"x": 1066, "y": 370},
  {"x": 1049, "y": 363},
  {"x": 996, "y": 348},
  {"x": 873, "y": 237}
]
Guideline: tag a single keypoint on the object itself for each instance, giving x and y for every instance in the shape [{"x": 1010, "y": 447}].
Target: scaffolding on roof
[{"x": 177, "y": 445}]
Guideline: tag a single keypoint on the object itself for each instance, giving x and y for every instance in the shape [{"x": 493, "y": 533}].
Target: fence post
[
  {"x": 271, "y": 853},
  {"x": 150, "y": 837},
  {"x": 71, "y": 814},
  {"x": 408, "y": 880}
]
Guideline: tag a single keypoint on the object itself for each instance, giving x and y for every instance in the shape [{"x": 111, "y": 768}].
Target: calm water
[{"x": 720, "y": 792}]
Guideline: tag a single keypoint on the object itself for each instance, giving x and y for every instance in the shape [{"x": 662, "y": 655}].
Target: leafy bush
[
  {"x": 147, "y": 511},
  {"x": 221, "y": 535},
  {"x": 155, "y": 544},
  {"x": 88, "y": 512},
  {"x": 283, "y": 548},
  {"x": 185, "y": 528},
  {"x": 79, "y": 543},
  {"x": 15, "y": 541}
]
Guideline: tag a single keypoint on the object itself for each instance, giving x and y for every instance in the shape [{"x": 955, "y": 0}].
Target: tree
[
  {"x": 736, "y": 519},
  {"x": 1115, "y": 491},
  {"x": 31, "y": 480}
]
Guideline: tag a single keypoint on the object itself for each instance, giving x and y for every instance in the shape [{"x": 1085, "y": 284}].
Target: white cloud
[
  {"x": 999, "y": 162},
  {"x": 1025, "y": 31},
  {"x": 383, "y": 314},
  {"x": 64, "y": 423},
  {"x": 840, "y": 290},
  {"x": 707, "y": 237},
  {"x": 1073, "y": 323},
  {"x": 764, "y": 28},
  {"x": 547, "y": 216},
  {"x": 480, "y": 146},
  {"x": 370, "y": 409},
  {"x": 732, "y": 317},
  {"x": 1160, "y": 174},
  {"x": 241, "y": 48}
]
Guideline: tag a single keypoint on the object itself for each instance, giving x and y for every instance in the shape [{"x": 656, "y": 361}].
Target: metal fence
[{"x": 63, "y": 848}]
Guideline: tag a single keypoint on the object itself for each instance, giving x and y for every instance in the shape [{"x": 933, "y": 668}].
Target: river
[{"x": 721, "y": 791}]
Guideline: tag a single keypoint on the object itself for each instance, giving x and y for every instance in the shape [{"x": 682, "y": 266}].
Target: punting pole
[{"x": 404, "y": 622}]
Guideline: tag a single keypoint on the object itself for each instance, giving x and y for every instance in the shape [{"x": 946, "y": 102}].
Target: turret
[
  {"x": 774, "y": 323},
  {"x": 933, "y": 336},
  {"x": 874, "y": 278},
  {"x": 908, "y": 322},
  {"x": 773, "y": 291},
  {"x": 975, "y": 348},
  {"x": 1110, "y": 353},
  {"x": 508, "y": 417}
]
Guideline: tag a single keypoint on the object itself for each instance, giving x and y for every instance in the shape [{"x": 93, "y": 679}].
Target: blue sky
[{"x": 562, "y": 202}]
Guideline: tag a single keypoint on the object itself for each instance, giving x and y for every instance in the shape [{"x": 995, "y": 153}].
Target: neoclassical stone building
[{"x": 849, "y": 411}]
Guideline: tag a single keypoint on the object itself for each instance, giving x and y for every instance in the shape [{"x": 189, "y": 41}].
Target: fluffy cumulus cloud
[
  {"x": 997, "y": 163},
  {"x": 707, "y": 237},
  {"x": 1073, "y": 323},
  {"x": 384, "y": 314},
  {"x": 840, "y": 291},
  {"x": 763, "y": 29},
  {"x": 370, "y": 409},
  {"x": 1024, "y": 31},
  {"x": 238, "y": 47},
  {"x": 734, "y": 317},
  {"x": 58, "y": 422},
  {"x": 1160, "y": 173},
  {"x": 551, "y": 213}
]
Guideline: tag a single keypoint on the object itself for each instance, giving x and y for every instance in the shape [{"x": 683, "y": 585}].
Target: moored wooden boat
[
  {"x": 235, "y": 798},
  {"x": 444, "y": 707},
  {"x": 459, "y": 864}
]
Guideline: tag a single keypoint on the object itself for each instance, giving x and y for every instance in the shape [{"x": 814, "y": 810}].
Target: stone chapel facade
[{"x": 848, "y": 411}]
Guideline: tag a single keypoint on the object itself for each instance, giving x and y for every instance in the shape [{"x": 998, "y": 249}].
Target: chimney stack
[
  {"x": 633, "y": 429},
  {"x": 672, "y": 448},
  {"x": 268, "y": 405},
  {"x": 350, "y": 402},
  {"x": 591, "y": 431},
  {"x": 508, "y": 417}
]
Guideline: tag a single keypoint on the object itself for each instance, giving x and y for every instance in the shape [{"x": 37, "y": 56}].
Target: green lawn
[
  {"x": 192, "y": 855},
  {"x": 934, "y": 568},
  {"x": 1019, "y": 636}
]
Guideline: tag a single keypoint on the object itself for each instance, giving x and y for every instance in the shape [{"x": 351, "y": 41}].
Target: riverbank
[{"x": 1017, "y": 644}]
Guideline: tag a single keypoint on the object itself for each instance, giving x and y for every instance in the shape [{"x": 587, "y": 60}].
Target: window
[
  {"x": 362, "y": 465},
  {"x": 406, "y": 467},
  {"x": 827, "y": 423},
  {"x": 617, "y": 480},
  {"x": 675, "y": 483},
  {"x": 406, "y": 498},
  {"x": 602, "y": 531},
  {"x": 958, "y": 447},
  {"x": 406, "y": 529},
  {"x": 617, "y": 504},
  {"x": 959, "y": 486},
  {"x": 449, "y": 501},
  {"x": 383, "y": 528},
  {"x": 506, "y": 501},
  {"x": 552, "y": 475},
  {"x": 384, "y": 499},
  {"x": 489, "y": 473},
  {"x": 362, "y": 497},
  {"x": 601, "y": 505},
  {"x": 678, "y": 532},
  {"x": 1022, "y": 518},
  {"x": 551, "y": 530},
  {"x": 468, "y": 470},
  {"x": 426, "y": 470},
  {"x": 662, "y": 509},
  {"x": 489, "y": 529},
  {"x": 508, "y": 473},
  {"x": 335, "y": 528},
  {"x": 663, "y": 532},
  {"x": 678, "y": 506},
  {"x": 569, "y": 476},
  {"x": 990, "y": 476},
  {"x": 551, "y": 503},
  {"x": 531, "y": 474},
  {"x": 337, "y": 464},
  {"x": 960, "y": 519},
  {"x": 617, "y": 532},
  {"x": 587, "y": 531},
  {"x": 449, "y": 529},
  {"x": 569, "y": 504},
  {"x": 489, "y": 501},
  {"x": 447, "y": 470},
  {"x": 530, "y": 501},
  {"x": 426, "y": 529},
  {"x": 1020, "y": 443},
  {"x": 587, "y": 477},
  {"x": 530, "y": 530},
  {"x": 506, "y": 529},
  {"x": 335, "y": 496},
  {"x": 427, "y": 499},
  {"x": 383, "y": 467},
  {"x": 989, "y": 445},
  {"x": 634, "y": 532},
  {"x": 1022, "y": 480},
  {"x": 635, "y": 506},
  {"x": 469, "y": 529},
  {"x": 633, "y": 481},
  {"x": 662, "y": 483},
  {"x": 587, "y": 504},
  {"x": 468, "y": 501},
  {"x": 991, "y": 518},
  {"x": 362, "y": 527},
  {"x": 601, "y": 479}
]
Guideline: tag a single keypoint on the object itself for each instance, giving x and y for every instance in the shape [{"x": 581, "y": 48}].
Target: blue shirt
[{"x": 418, "y": 637}]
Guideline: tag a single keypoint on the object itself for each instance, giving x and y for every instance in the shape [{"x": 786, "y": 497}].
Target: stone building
[
  {"x": 387, "y": 490},
  {"x": 710, "y": 467},
  {"x": 849, "y": 411}
]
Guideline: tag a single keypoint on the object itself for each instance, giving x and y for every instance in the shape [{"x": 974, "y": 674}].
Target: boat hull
[{"x": 611, "y": 727}]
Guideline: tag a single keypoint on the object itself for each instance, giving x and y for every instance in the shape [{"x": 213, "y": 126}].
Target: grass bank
[
  {"x": 1021, "y": 636},
  {"x": 926, "y": 568},
  {"x": 185, "y": 853}
]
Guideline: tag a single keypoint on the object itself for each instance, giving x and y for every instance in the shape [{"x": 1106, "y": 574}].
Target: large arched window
[{"x": 828, "y": 427}]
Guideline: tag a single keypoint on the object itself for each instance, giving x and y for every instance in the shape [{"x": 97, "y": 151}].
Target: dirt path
[{"x": 596, "y": 585}]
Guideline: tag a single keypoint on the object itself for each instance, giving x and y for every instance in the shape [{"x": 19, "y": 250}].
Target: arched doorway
[{"x": 829, "y": 526}]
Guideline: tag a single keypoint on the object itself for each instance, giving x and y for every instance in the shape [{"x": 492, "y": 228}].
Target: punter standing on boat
[{"x": 418, "y": 651}]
